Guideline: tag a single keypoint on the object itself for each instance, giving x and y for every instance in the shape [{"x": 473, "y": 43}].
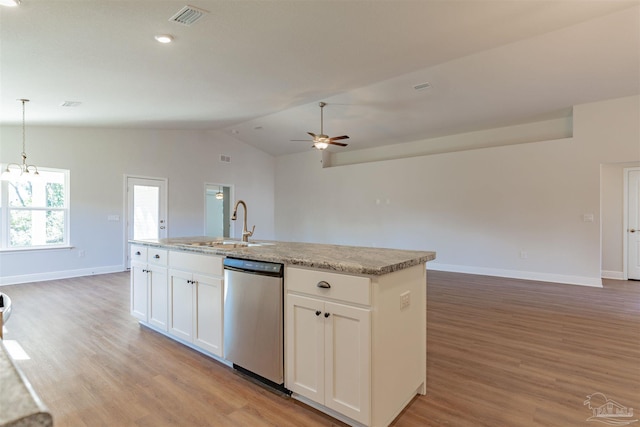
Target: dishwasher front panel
[{"x": 253, "y": 323}]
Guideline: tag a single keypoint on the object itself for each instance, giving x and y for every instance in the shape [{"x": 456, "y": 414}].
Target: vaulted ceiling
[{"x": 257, "y": 69}]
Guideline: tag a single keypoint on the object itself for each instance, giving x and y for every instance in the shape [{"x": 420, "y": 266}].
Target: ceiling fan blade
[
  {"x": 337, "y": 138},
  {"x": 338, "y": 143},
  {"x": 313, "y": 135},
  {"x": 300, "y": 140}
]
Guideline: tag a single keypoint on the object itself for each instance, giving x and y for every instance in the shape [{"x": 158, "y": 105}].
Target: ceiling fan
[{"x": 322, "y": 141}]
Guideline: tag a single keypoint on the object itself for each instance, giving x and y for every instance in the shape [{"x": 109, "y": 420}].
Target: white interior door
[
  {"x": 146, "y": 209},
  {"x": 633, "y": 224}
]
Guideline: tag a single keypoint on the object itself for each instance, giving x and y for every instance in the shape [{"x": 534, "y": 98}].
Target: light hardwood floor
[{"x": 501, "y": 352}]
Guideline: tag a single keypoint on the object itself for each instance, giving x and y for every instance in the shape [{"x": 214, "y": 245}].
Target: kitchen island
[{"x": 354, "y": 317}]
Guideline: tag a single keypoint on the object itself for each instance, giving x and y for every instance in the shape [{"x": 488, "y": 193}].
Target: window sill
[{"x": 36, "y": 249}]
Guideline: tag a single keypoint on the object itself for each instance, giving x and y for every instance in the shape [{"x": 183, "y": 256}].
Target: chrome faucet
[{"x": 245, "y": 233}]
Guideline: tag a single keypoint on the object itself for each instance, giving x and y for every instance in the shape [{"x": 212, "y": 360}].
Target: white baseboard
[
  {"x": 616, "y": 275},
  {"x": 55, "y": 275},
  {"x": 516, "y": 274}
]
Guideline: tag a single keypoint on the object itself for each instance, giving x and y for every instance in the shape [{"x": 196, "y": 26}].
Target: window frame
[{"x": 5, "y": 215}]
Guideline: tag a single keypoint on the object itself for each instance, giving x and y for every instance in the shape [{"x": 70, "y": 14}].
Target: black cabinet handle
[
  {"x": 138, "y": 253},
  {"x": 318, "y": 312},
  {"x": 326, "y": 315},
  {"x": 323, "y": 284},
  {"x": 157, "y": 256}
]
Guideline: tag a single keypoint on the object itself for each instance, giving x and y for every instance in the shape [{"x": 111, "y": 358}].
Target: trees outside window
[{"x": 35, "y": 211}]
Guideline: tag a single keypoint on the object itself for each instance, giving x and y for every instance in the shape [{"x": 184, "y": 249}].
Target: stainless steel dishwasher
[{"x": 253, "y": 318}]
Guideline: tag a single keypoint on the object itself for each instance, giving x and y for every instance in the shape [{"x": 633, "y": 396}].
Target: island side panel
[{"x": 399, "y": 356}]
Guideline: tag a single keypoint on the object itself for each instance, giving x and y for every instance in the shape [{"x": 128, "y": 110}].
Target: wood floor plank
[{"x": 501, "y": 352}]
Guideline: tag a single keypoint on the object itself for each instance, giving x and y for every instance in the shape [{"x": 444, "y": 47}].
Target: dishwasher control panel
[{"x": 246, "y": 265}]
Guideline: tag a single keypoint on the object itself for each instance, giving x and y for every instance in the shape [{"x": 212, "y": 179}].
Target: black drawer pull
[
  {"x": 323, "y": 284},
  {"x": 318, "y": 312},
  {"x": 138, "y": 253},
  {"x": 327, "y": 315},
  {"x": 157, "y": 256}
]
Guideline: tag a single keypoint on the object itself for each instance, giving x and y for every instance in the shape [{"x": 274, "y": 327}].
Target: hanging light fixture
[
  {"x": 15, "y": 170},
  {"x": 219, "y": 194}
]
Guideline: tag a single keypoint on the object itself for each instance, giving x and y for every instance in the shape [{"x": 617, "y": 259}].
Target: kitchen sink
[{"x": 230, "y": 244}]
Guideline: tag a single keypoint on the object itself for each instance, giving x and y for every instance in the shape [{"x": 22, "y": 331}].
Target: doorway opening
[
  {"x": 217, "y": 207},
  {"x": 632, "y": 223}
]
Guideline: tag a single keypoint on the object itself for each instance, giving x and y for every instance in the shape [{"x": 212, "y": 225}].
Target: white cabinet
[
  {"x": 149, "y": 285},
  {"x": 329, "y": 354},
  {"x": 355, "y": 345},
  {"x": 329, "y": 343},
  {"x": 139, "y": 291},
  {"x": 195, "y": 300}
]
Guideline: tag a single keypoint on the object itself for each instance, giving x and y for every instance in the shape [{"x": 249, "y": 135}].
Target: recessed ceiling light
[
  {"x": 164, "y": 38},
  {"x": 10, "y": 3}
]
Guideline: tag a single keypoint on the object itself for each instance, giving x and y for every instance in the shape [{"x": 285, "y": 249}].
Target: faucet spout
[{"x": 245, "y": 233}]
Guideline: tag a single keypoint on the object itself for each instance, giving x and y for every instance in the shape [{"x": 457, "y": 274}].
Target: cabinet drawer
[
  {"x": 138, "y": 253},
  {"x": 157, "y": 256},
  {"x": 196, "y": 263},
  {"x": 343, "y": 287}
]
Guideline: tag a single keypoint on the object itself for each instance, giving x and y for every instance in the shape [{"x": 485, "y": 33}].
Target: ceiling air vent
[
  {"x": 422, "y": 86},
  {"x": 188, "y": 15}
]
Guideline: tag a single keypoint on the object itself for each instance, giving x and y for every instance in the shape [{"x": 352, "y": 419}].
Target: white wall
[
  {"x": 477, "y": 209},
  {"x": 99, "y": 159}
]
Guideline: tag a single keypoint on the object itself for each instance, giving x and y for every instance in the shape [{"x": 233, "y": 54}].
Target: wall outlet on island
[{"x": 405, "y": 300}]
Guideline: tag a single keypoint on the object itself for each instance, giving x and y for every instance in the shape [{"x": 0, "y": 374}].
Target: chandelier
[{"x": 15, "y": 170}]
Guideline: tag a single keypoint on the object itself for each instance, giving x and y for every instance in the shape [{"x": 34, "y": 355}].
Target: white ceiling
[{"x": 266, "y": 65}]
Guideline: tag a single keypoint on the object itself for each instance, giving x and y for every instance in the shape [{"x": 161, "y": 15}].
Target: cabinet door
[
  {"x": 139, "y": 291},
  {"x": 181, "y": 304},
  {"x": 305, "y": 347},
  {"x": 158, "y": 297},
  {"x": 348, "y": 361},
  {"x": 208, "y": 313}
]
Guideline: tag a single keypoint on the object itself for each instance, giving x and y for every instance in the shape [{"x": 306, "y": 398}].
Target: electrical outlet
[
  {"x": 405, "y": 300},
  {"x": 80, "y": 253},
  {"x": 524, "y": 255}
]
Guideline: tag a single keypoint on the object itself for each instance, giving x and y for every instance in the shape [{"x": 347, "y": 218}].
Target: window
[{"x": 34, "y": 212}]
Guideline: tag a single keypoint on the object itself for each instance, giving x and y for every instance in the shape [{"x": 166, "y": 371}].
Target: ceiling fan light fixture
[{"x": 320, "y": 145}]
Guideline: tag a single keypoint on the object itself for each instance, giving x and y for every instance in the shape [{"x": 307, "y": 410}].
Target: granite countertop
[
  {"x": 19, "y": 404},
  {"x": 346, "y": 259}
]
